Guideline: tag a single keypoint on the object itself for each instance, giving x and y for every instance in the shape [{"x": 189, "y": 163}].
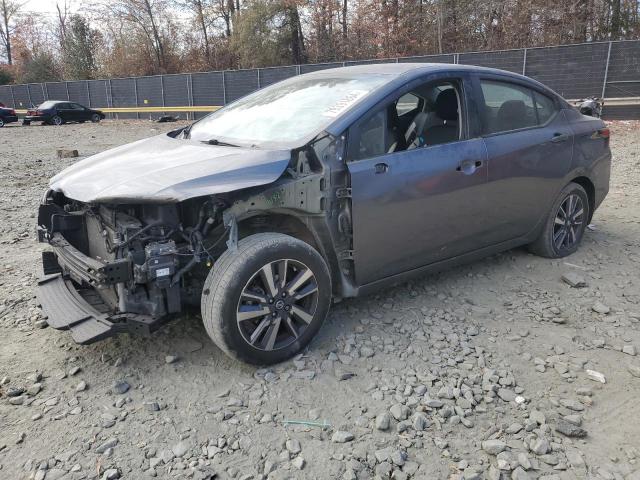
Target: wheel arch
[
  {"x": 305, "y": 228},
  {"x": 284, "y": 223},
  {"x": 590, "y": 188}
]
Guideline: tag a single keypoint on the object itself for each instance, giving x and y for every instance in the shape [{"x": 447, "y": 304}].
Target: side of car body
[
  {"x": 59, "y": 112},
  {"x": 7, "y": 115},
  {"x": 438, "y": 165}
]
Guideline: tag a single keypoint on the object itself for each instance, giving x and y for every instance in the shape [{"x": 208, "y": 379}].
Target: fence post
[
  {"x": 42, "y": 88},
  {"x": 13, "y": 97},
  {"x": 29, "y": 95},
  {"x": 258, "y": 78},
  {"x": 190, "y": 95},
  {"x": 524, "y": 63},
  {"x": 46, "y": 90},
  {"x": 110, "y": 95},
  {"x": 88, "y": 92},
  {"x": 162, "y": 90},
  {"x": 297, "y": 69},
  {"x": 224, "y": 89},
  {"x": 135, "y": 92},
  {"x": 606, "y": 71},
  {"x": 66, "y": 86}
]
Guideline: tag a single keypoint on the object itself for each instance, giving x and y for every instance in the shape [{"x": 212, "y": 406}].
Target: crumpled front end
[{"x": 121, "y": 268}]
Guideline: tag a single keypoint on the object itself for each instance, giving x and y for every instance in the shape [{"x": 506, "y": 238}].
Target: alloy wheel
[
  {"x": 277, "y": 304},
  {"x": 568, "y": 223}
]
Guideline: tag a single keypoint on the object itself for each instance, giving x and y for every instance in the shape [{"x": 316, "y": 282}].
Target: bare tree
[
  {"x": 145, "y": 15},
  {"x": 63, "y": 14},
  {"x": 200, "y": 9},
  {"x": 8, "y": 11}
]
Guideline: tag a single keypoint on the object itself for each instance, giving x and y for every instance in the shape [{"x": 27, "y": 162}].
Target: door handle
[
  {"x": 381, "y": 168},
  {"x": 468, "y": 166},
  {"x": 559, "y": 137}
]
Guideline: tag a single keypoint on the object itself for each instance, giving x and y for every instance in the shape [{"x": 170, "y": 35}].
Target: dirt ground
[{"x": 479, "y": 372}]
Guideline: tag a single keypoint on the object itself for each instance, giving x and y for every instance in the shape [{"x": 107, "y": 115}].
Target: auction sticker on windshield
[{"x": 344, "y": 103}]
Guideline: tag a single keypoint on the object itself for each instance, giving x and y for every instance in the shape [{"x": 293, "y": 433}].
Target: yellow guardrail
[
  {"x": 623, "y": 101},
  {"x": 192, "y": 108}
]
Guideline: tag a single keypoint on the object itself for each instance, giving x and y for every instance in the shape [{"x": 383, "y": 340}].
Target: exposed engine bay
[{"x": 150, "y": 253}]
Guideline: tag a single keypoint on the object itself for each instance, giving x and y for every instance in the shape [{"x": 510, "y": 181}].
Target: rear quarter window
[{"x": 545, "y": 107}]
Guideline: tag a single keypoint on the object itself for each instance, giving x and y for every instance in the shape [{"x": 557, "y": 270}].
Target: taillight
[
  {"x": 12, "y": 112},
  {"x": 604, "y": 133},
  {"x": 38, "y": 112}
]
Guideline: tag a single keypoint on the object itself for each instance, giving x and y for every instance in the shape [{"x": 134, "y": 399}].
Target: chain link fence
[{"x": 604, "y": 69}]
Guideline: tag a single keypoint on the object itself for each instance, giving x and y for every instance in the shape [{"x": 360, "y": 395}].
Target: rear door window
[{"x": 507, "y": 107}]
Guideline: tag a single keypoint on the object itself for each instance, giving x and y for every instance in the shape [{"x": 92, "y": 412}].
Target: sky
[{"x": 47, "y": 6}]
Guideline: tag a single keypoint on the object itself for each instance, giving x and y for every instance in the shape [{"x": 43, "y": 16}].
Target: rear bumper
[
  {"x": 81, "y": 311},
  {"x": 36, "y": 118}
]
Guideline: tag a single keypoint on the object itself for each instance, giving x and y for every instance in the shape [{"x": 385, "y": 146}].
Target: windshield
[{"x": 285, "y": 112}]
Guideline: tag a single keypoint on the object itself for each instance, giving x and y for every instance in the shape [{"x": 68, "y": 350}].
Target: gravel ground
[{"x": 494, "y": 370}]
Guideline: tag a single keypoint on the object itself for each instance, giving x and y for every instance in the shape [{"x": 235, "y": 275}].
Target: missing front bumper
[
  {"x": 83, "y": 313},
  {"x": 83, "y": 268}
]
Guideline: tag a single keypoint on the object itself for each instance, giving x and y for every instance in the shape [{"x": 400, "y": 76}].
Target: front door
[{"x": 423, "y": 201}]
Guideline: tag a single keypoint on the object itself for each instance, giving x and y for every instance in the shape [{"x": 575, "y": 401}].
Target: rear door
[
  {"x": 530, "y": 146},
  {"x": 416, "y": 206},
  {"x": 65, "y": 111}
]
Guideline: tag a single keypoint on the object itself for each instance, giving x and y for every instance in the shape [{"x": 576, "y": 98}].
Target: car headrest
[
  {"x": 447, "y": 105},
  {"x": 512, "y": 111}
]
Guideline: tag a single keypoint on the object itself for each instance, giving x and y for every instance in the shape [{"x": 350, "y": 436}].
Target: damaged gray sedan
[{"x": 323, "y": 186}]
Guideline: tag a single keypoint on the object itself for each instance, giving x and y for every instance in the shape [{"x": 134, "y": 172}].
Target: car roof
[{"x": 397, "y": 69}]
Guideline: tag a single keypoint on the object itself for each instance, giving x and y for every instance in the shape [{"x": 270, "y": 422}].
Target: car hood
[{"x": 165, "y": 169}]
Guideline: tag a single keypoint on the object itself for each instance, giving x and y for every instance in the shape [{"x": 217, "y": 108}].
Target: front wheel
[
  {"x": 95, "y": 118},
  {"x": 263, "y": 302},
  {"x": 57, "y": 120},
  {"x": 1, "y": 122},
  {"x": 565, "y": 225}
]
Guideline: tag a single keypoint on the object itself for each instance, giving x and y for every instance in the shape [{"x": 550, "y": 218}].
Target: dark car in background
[
  {"x": 7, "y": 115},
  {"x": 55, "y": 112},
  {"x": 326, "y": 185}
]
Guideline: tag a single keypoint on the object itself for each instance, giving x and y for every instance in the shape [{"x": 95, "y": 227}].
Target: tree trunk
[
  {"x": 158, "y": 47},
  {"x": 5, "y": 34},
  {"x": 616, "y": 24},
  {"x": 298, "y": 55},
  {"x": 205, "y": 33}
]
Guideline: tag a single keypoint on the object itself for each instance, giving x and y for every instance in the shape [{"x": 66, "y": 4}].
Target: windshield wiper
[{"x": 215, "y": 141}]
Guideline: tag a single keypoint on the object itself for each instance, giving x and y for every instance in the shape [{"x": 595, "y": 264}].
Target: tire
[
  {"x": 548, "y": 244},
  {"x": 1, "y": 122},
  {"x": 56, "y": 120},
  {"x": 95, "y": 118},
  {"x": 25, "y": 123},
  {"x": 238, "y": 273}
]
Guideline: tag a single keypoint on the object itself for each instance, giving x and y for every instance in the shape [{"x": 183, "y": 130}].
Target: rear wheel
[
  {"x": 57, "y": 120},
  {"x": 95, "y": 118},
  {"x": 564, "y": 228},
  {"x": 1, "y": 122},
  {"x": 264, "y": 302}
]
